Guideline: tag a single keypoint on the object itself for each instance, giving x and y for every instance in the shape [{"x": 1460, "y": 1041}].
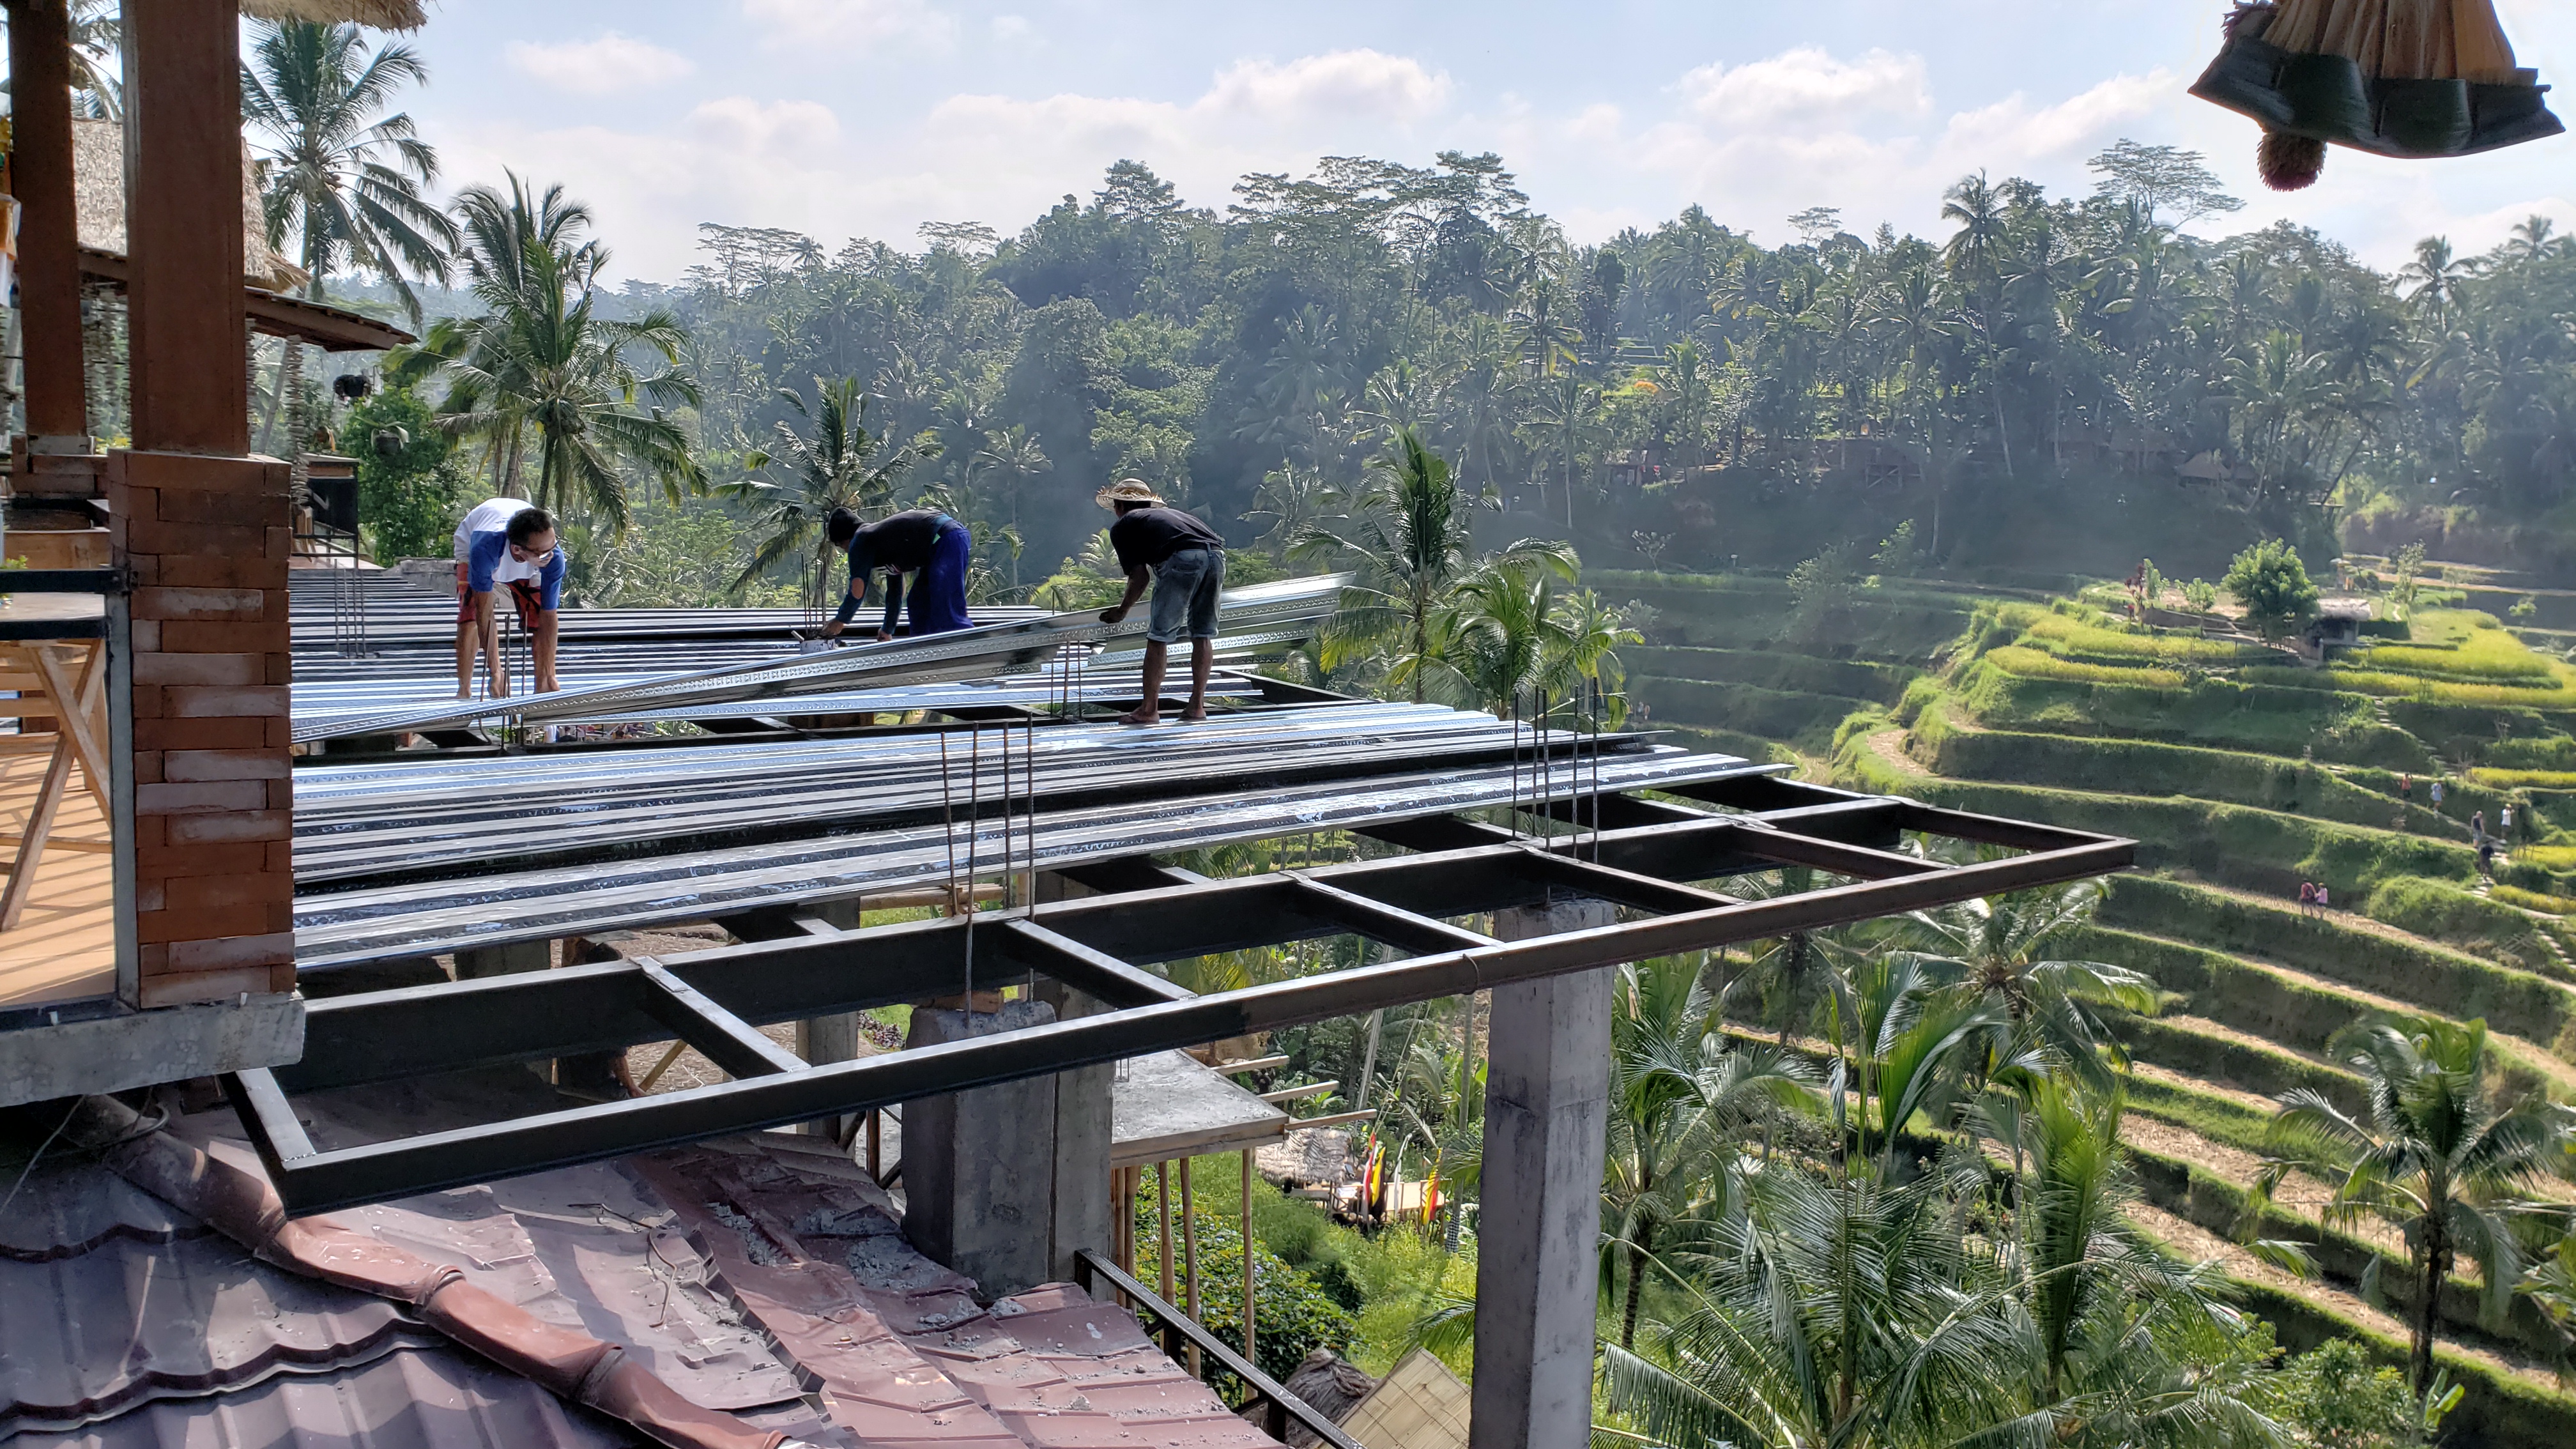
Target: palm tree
[
  {"x": 838, "y": 463},
  {"x": 1407, "y": 533},
  {"x": 1016, "y": 456},
  {"x": 336, "y": 173},
  {"x": 1680, "y": 1101},
  {"x": 540, "y": 368},
  {"x": 2434, "y": 1157},
  {"x": 1996, "y": 951},
  {"x": 1829, "y": 1315}
]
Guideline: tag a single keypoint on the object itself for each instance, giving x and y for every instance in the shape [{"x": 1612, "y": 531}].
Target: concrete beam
[
  {"x": 112, "y": 1053},
  {"x": 1547, "y": 1107}
]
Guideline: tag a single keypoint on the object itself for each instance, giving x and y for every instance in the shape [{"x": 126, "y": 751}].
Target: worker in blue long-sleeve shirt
[{"x": 919, "y": 541}]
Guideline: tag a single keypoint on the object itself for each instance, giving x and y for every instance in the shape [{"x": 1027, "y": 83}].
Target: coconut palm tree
[
  {"x": 2434, "y": 1156},
  {"x": 1015, "y": 457},
  {"x": 1680, "y": 1102},
  {"x": 340, "y": 180},
  {"x": 540, "y": 370},
  {"x": 1996, "y": 950},
  {"x": 1408, "y": 538},
  {"x": 1829, "y": 1315},
  {"x": 836, "y": 463}
]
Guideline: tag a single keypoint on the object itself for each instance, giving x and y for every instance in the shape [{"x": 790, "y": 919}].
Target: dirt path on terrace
[
  {"x": 1889, "y": 746},
  {"x": 2191, "y": 1241}
]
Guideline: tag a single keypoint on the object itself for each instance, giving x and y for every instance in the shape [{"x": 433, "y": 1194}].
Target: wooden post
[
  {"x": 1163, "y": 1202},
  {"x": 876, "y": 1144},
  {"x": 40, "y": 174},
  {"x": 1247, "y": 1256},
  {"x": 188, "y": 337},
  {"x": 1190, "y": 1259}
]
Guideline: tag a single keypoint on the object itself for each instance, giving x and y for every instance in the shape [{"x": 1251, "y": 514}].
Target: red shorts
[{"x": 522, "y": 593}]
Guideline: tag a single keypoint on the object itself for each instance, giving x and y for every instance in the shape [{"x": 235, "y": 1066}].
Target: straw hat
[{"x": 1128, "y": 490}]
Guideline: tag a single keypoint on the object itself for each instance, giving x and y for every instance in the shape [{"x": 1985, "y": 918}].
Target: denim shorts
[{"x": 1185, "y": 590}]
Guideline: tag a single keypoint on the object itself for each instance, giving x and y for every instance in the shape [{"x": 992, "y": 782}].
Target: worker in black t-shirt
[
  {"x": 921, "y": 540},
  {"x": 1185, "y": 560}
]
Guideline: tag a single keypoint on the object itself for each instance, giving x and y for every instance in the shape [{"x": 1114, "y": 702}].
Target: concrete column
[
  {"x": 1547, "y": 1107},
  {"x": 977, "y": 1180}
]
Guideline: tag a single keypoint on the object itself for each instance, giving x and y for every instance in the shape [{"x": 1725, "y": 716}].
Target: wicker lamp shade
[{"x": 2407, "y": 78}]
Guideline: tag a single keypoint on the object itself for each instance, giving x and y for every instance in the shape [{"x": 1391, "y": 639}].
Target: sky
[{"x": 842, "y": 118}]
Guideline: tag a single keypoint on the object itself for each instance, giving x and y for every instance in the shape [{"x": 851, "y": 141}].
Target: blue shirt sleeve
[
  {"x": 483, "y": 557},
  {"x": 550, "y": 579}
]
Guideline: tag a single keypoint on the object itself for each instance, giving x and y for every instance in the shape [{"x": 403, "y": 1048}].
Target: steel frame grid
[{"x": 714, "y": 999}]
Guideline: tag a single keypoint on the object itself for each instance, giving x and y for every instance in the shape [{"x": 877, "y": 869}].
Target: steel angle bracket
[{"x": 1099, "y": 945}]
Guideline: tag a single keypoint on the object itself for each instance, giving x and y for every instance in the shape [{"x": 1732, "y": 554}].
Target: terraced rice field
[{"x": 2242, "y": 771}]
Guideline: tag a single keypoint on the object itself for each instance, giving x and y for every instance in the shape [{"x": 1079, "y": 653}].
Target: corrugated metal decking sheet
[
  {"x": 964, "y": 654},
  {"x": 417, "y": 815},
  {"x": 424, "y": 919}
]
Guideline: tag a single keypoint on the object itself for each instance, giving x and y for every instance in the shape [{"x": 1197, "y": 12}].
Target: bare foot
[
  {"x": 1194, "y": 716},
  {"x": 1141, "y": 716}
]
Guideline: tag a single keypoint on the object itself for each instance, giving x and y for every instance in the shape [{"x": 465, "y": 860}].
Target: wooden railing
[{"x": 1178, "y": 1333}]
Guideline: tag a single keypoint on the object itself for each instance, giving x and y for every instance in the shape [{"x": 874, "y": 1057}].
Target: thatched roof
[
  {"x": 98, "y": 201},
  {"x": 381, "y": 14}
]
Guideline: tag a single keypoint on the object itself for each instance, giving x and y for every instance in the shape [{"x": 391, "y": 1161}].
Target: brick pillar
[{"x": 206, "y": 542}]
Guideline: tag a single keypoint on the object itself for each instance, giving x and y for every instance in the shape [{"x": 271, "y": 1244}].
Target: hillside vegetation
[{"x": 2243, "y": 770}]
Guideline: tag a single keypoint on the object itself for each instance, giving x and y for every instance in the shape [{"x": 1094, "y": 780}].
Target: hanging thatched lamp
[{"x": 2411, "y": 78}]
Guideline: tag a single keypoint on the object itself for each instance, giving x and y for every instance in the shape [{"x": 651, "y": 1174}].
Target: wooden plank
[
  {"x": 85, "y": 722},
  {"x": 40, "y": 823}
]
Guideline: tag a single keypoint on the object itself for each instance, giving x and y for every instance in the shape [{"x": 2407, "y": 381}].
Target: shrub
[
  {"x": 1295, "y": 1313},
  {"x": 2272, "y": 584},
  {"x": 410, "y": 494}
]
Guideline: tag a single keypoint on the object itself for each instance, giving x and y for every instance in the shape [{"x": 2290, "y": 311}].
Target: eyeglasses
[{"x": 525, "y": 554}]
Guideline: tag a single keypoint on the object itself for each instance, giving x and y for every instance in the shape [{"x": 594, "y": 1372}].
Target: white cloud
[
  {"x": 1808, "y": 84},
  {"x": 613, "y": 62},
  {"x": 1008, "y": 28},
  {"x": 2011, "y": 127},
  {"x": 849, "y": 22},
  {"x": 1347, "y": 84}
]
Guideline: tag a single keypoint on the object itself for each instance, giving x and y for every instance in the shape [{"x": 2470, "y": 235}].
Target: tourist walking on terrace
[
  {"x": 2435, "y": 790},
  {"x": 2504, "y": 824},
  {"x": 2477, "y": 825},
  {"x": 2324, "y": 902},
  {"x": 2307, "y": 898},
  {"x": 1184, "y": 560},
  {"x": 2406, "y": 789},
  {"x": 920, "y": 541}
]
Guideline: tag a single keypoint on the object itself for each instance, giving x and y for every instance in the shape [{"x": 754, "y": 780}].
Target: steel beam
[
  {"x": 785, "y": 977},
  {"x": 1102, "y": 977},
  {"x": 720, "y": 1036}
]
